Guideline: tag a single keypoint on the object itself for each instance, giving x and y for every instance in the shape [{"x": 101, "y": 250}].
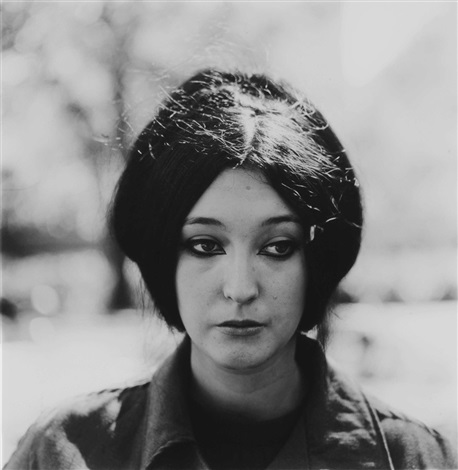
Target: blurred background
[{"x": 81, "y": 79}]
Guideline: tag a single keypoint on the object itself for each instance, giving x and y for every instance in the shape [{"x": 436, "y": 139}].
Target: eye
[
  {"x": 279, "y": 249},
  {"x": 204, "y": 247}
]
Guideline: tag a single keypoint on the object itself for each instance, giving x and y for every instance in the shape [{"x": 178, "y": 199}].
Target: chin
[{"x": 240, "y": 360}]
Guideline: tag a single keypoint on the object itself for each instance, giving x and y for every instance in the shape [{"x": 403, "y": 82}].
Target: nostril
[
  {"x": 242, "y": 294},
  {"x": 241, "y": 299}
]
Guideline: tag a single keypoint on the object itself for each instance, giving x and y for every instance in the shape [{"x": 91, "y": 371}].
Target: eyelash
[{"x": 191, "y": 245}]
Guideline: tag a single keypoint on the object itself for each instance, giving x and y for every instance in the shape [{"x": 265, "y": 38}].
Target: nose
[{"x": 240, "y": 282}]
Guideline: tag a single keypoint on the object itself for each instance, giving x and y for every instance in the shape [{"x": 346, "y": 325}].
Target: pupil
[
  {"x": 207, "y": 246},
  {"x": 282, "y": 247}
]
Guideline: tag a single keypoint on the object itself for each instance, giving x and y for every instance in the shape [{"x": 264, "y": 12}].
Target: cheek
[
  {"x": 194, "y": 287},
  {"x": 298, "y": 287},
  {"x": 186, "y": 283},
  {"x": 288, "y": 292}
]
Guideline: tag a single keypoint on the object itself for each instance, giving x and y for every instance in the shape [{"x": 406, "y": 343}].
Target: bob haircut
[{"x": 216, "y": 121}]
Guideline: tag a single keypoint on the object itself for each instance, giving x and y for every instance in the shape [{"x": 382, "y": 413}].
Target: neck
[{"x": 267, "y": 392}]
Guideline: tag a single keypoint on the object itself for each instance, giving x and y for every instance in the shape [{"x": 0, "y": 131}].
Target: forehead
[{"x": 238, "y": 193}]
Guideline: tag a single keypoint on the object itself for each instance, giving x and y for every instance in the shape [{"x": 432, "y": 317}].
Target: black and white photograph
[{"x": 229, "y": 235}]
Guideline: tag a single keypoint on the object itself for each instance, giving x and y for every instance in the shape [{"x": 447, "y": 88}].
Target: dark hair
[{"x": 215, "y": 121}]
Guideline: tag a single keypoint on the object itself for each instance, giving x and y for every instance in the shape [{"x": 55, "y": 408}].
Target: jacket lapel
[
  {"x": 341, "y": 430},
  {"x": 167, "y": 431}
]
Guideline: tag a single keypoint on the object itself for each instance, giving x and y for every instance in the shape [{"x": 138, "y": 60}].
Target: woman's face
[{"x": 241, "y": 274}]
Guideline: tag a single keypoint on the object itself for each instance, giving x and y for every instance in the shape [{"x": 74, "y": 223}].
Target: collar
[
  {"x": 339, "y": 427},
  {"x": 167, "y": 416}
]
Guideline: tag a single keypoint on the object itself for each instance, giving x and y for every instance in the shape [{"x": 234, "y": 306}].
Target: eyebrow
[
  {"x": 279, "y": 219},
  {"x": 204, "y": 221}
]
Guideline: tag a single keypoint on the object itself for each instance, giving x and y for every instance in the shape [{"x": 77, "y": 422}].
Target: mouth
[
  {"x": 241, "y": 327},
  {"x": 240, "y": 323}
]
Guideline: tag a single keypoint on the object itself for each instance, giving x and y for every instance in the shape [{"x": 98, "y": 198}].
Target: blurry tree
[
  {"x": 80, "y": 79},
  {"x": 96, "y": 74}
]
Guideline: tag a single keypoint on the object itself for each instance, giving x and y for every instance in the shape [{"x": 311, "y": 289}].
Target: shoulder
[
  {"x": 67, "y": 436},
  {"x": 411, "y": 443},
  {"x": 98, "y": 412}
]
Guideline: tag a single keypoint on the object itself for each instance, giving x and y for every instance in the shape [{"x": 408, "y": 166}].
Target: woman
[{"x": 243, "y": 213}]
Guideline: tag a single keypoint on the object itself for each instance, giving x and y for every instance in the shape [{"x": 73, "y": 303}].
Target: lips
[
  {"x": 241, "y": 327},
  {"x": 240, "y": 323}
]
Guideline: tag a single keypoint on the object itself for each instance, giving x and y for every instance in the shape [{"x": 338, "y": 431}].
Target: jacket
[{"x": 147, "y": 426}]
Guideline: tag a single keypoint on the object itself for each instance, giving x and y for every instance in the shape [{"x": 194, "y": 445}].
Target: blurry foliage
[{"x": 81, "y": 79}]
